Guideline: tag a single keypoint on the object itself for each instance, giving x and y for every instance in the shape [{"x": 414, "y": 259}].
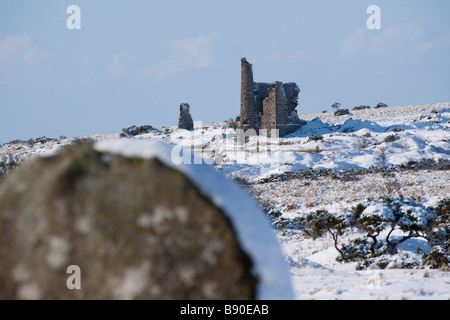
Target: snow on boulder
[{"x": 119, "y": 220}]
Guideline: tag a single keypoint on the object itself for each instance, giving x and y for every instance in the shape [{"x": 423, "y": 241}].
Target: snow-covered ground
[
  {"x": 341, "y": 153},
  {"x": 393, "y": 284}
]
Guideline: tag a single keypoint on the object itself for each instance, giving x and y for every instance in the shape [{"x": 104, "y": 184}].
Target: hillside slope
[{"x": 331, "y": 164}]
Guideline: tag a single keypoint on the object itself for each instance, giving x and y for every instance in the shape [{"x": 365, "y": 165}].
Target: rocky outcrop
[{"x": 185, "y": 119}]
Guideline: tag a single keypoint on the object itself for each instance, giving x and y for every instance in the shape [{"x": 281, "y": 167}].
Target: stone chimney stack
[{"x": 249, "y": 116}]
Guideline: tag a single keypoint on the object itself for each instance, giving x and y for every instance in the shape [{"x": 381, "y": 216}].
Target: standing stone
[
  {"x": 249, "y": 115},
  {"x": 185, "y": 119},
  {"x": 135, "y": 227}
]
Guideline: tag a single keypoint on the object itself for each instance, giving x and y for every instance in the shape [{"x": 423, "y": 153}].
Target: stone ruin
[
  {"x": 185, "y": 119},
  {"x": 268, "y": 105}
]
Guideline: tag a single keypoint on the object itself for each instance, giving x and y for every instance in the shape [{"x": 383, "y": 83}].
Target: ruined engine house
[{"x": 268, "y": 105}]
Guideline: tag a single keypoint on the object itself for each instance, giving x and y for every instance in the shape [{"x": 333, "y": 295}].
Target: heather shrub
[
  {"x": 134, "y": 130},
  {"x": 439, "y": 238},
  {"x": 385, "y": 226}
]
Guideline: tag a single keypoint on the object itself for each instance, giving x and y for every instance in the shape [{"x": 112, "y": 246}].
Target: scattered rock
[
  {"x": 361, "y": 107},
  {"x": 380, "y": 105},
  {"x": 341, "y": 112}
]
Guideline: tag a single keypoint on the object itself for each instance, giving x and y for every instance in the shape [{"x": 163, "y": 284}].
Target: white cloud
[
  {"x": 443, "y": 42},
  {"x": 353, "y": 45},
  {"x": 120, "y": 64},
  {"x": 20, "y": 46},
  {"x": 184, "y": 55},
  {"x": 395, "y": 38}
]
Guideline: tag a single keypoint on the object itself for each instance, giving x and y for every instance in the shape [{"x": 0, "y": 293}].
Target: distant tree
[
  {"x": 319, "y": 222},
  {"x": 336, "y": 106},
  {"x": 381, "y": 158},
  {"x": 391, "y": 183}
]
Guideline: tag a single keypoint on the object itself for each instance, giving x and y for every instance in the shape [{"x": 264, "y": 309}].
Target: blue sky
[{"x": 133, "y": 62}]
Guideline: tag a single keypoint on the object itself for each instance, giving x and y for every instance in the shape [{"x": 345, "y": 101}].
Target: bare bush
[{"x": 381, "y": 158}]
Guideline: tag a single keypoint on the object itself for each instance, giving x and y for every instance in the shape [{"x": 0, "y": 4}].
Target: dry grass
[{"x": 326, "y": 190}]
